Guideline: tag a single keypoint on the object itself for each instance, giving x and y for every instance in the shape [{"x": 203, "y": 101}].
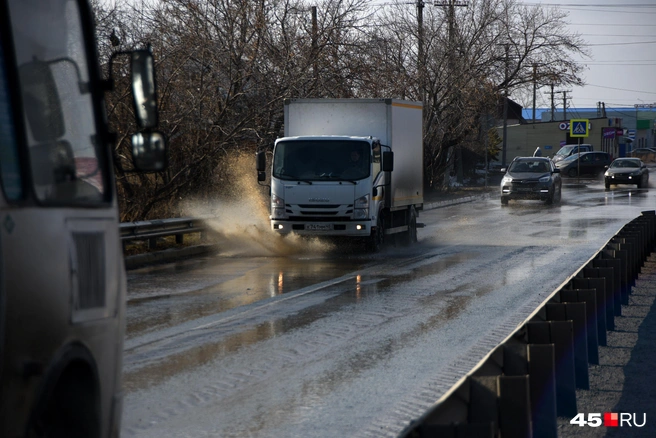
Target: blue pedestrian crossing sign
[{"x": 579, "y": 127}]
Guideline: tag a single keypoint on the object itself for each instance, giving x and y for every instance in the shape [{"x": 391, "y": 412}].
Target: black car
[
  {"x": 587, "y": 163},
  {"x": 627, "y": 171},
  {"x": 531, "y": 178}
]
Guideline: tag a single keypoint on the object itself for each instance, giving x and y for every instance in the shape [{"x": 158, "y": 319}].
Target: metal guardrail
[
  {"x": 152, "y": 230},
  {"x": 520, "y": 388}
]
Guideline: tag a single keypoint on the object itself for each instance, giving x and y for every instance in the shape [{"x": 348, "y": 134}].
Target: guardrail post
[
  {"x": 483, "y": 406},
  {"x": 559, "y": 333},
  {"x": 179, "y": 239},
  {"x": 600, "y": 295},
  {"x": 607, "y": 276},
  {"x": 618, "y": 245},
  {"x": 574, "y": 312},
  {"x": 589, "y": 297},
  {"x": 622, "y": 256},
  {"x": 542, "y": 381},
  {"x": 615, "y": 288},
  {"x": 514, "y": 407}
]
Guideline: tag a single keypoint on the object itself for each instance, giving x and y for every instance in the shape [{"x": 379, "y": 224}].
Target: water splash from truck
[{"x": 239, "y": 218}]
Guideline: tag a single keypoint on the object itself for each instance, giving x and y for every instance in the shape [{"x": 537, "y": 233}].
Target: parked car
[
  {"x": 627, "y": 171},
  {"x": 645, "y": 154},
  {"x": 531, "y": 178},
  {"x": 570, "y": 149},
  {"x": 587, "y": 163}
]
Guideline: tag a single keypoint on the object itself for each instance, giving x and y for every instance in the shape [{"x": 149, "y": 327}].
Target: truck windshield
[
  {"x": 321, "y": 160},
  {"x": 66, "y": 162}
]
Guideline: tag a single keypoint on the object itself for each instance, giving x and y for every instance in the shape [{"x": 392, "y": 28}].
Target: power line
[
  {"x": 620, "y": 89},
  {"x": 621, "y": 44},
  {"x": 624, "y": 5},
  {"x": 612, "y": 24},
  {"x": 615, "y": 35}
]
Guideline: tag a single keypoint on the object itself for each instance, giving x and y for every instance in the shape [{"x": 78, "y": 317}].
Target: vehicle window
[
  {"x": 625, "y": 164},
  {"x": 535, "y": 166},
  {"x": 10, "y": 171},
  {"x": 320, "y": 160},
  {"x": 375, "y": 160},
  {"x": 564, "y": 151},
  {"x": 572, "y": 158},
  {"x": 57, "y": 105}
]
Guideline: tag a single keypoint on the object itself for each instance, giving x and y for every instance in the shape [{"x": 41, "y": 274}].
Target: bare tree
[{"x": 224, "y": 67}]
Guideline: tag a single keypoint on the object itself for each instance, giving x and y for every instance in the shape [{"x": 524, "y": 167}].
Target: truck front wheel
[{"x": 377, "y": 237}]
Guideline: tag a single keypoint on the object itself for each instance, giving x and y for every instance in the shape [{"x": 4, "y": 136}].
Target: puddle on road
[
  {"x": 347, "y": 293},
  {"x": 278, "y": 277}
]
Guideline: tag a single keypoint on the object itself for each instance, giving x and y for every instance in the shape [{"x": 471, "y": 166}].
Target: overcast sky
[{"x": 622, "y": 42}]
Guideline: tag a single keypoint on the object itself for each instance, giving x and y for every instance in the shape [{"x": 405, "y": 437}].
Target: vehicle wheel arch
[{"x": 68, "y": 399}]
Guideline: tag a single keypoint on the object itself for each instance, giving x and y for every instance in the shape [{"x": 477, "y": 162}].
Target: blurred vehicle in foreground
[
  {"x": 588, "y": 163},
  {"x": 627, "y": 171},
  {"x": 531, "y": 178}
]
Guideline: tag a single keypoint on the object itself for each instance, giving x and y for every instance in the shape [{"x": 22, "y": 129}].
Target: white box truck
[{"x": 348, "y": 167}]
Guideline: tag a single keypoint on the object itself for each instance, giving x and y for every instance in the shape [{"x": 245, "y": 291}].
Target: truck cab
[{"x": 323, "y": 184}]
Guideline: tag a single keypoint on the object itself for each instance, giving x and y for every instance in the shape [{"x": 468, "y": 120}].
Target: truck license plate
[{"x": 317, "y": 227}]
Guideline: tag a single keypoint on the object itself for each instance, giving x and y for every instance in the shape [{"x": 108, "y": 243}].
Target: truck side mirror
[
  {"x": 143, "y": 88},
  {"x": 260, "y": 162},
  {"x": 388, "y": 161}
]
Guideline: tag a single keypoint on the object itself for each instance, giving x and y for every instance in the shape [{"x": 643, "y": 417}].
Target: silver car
[{"x": 531, "y": 178}]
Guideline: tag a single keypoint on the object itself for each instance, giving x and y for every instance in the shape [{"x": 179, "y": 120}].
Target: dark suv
[
  {"x": 531, "y": 178},
  {"x": 587, "y": 163},
  {"x": 571, "y": 149}
]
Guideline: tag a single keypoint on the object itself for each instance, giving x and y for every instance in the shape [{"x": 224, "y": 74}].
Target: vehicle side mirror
[
  {"x": 149, "y": 152},
  {"x": 556, "y": 170},
  {"x": 260, "y": 162},
  {"x": 143, "y": 88},
  {"x": 388, "y": 161},
  {"x": 503, "y": 170}
]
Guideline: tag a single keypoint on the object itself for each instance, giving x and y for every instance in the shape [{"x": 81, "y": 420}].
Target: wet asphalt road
[{"x": 297, "y": 339}]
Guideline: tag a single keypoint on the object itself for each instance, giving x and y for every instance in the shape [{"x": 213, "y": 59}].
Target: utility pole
[
  {"x": 505, "y": 109},
  {"x": 535, "y": 87},
  {"x": 564, "y": 103},
  {"x": 451, "y": 20},
  {"x": 421, "y": 62},
  {"x": 553, "y": 105},
  {"x": 315, "y": 47}
]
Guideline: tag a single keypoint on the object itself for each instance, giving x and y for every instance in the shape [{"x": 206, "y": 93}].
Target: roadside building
[{"x": 611, "y": 130}]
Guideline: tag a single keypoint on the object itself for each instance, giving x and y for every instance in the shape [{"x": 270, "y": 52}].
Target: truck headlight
[
  {"x": 361, "y": 207},
  {"x": 278, "y": 207}
]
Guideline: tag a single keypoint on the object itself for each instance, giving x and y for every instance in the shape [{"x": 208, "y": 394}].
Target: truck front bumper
[{"x": 310, "y": 228}]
